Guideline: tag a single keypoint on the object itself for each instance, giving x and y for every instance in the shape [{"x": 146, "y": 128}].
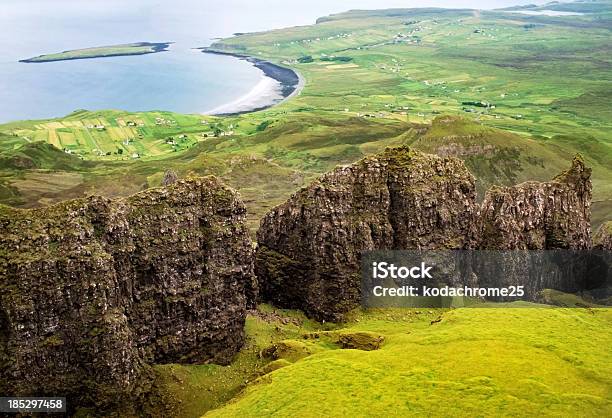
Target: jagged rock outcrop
[
  {"x": 602, "y": 240},
  {"x": 310, "y": 247},
  {"x": 540, "y": 216},
  {"x": 602, "y": 244},
  {"x": 93, "y": 290},
  {"x": 170, "y": 177},
  {"x": 554, "y": 215}
]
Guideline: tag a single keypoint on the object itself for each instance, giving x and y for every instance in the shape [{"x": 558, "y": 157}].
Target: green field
[
  {"x": 137, "y": 48},
  {"x": 532, "y": 92}
]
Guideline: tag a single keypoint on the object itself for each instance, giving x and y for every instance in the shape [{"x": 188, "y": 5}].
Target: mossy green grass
[
  {"x": 497, "y": 361},
  {"x": 475, "y": 362}
]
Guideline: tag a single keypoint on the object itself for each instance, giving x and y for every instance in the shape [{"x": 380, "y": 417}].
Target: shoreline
[
  {"x": 277, "y": 84},
  {"x": 290, "y": 81},
  {"x": 155, "y": 48}
]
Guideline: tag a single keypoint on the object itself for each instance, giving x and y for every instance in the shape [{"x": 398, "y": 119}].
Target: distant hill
[{"x": 40, "y": 155}]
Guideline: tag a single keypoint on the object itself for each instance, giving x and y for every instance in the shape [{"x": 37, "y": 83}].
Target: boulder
[
  {"x": 362, "y": 340},
  {"x": 289, "y": 350},
  {"x": 170, "y": 177}
]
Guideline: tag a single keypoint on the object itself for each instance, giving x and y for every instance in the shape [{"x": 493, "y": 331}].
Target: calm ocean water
[{"x": 181, "y": 80}]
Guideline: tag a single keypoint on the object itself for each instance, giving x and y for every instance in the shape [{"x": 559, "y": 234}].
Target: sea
[{"x": 182, "y": 79}]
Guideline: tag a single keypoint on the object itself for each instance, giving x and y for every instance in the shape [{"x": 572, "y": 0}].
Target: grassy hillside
[
  {"x": 500, "y": 157},
  {"x": 267, "y": 165},
  {"x": 473, "y": 361},
  {"x": 530, "y": 92},
  {"x": 545, "y": 78},
  {"x": 115, "y": 135}
]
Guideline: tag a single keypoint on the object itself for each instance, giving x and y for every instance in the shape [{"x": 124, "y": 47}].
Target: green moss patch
[{"x": 363, "y": 340}]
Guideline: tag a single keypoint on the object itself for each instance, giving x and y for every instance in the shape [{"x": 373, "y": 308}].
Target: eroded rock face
[
  {"x": 170, "y": 177},
  {"x": 540, "y": 216},
  {"x": 93, "y": 290},
  {"x": 603, "y": 237},
  {"x": 537, "y": 216},
  {"x": 310, "y": 247}
]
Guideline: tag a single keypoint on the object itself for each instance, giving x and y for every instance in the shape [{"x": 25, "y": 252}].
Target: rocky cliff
[
  {"x": 554, "y": 215},
  {"x": 539, "y": 216},
  {"x": 603, "y": 237},
  {"x": 602, "y": 244},
  {"x": 310, "y": 247},
  {"x": 93, "y": 290}
]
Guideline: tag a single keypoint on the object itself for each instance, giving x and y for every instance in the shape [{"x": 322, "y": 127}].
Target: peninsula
[{"x": 137, "y": 48}]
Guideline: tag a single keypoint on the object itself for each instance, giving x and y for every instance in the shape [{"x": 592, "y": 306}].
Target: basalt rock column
[
  {"x": 310, "y": 247},
  {"x": 526, "y": 219},
  {"x": 603, "y": 237},
  {"x": 94, "y": 290},
  {"x": 540, "y": 216}
]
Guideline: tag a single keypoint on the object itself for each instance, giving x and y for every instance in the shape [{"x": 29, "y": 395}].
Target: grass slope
[
  {"x": 545, "y": 78},
  {"x": 192, "y": 390},
  {"x": 267, "y": 164},
  {"x": 474, "y": 362}
]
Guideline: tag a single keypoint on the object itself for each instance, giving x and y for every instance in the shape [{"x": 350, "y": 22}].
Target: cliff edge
[
  {"x": 94, "y": 290},
  {"x": 310, "y": 247}
]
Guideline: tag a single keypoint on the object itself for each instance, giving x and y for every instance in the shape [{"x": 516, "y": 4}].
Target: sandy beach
[
  {"x": 277, "y": 84},
  {"x": 266, "y": 93}
]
